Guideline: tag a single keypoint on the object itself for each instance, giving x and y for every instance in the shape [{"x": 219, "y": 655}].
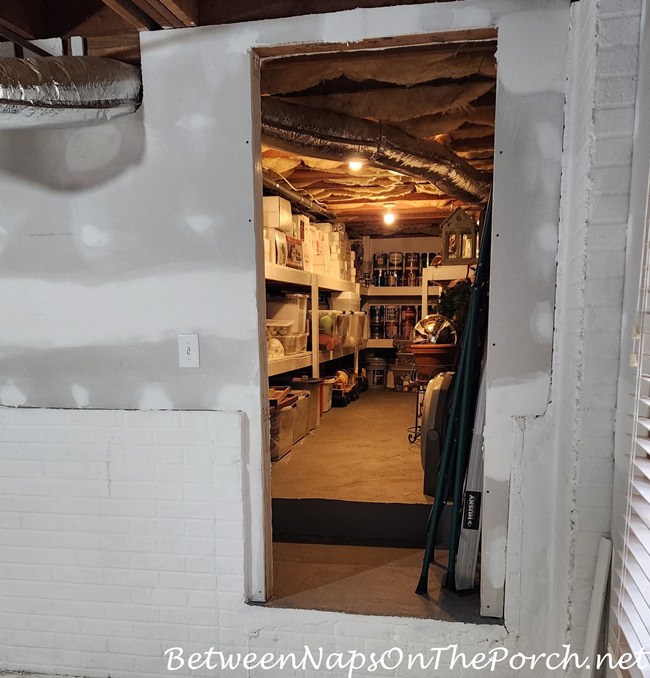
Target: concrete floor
[
  {"x": 366, "y": 580},
  {"x": 361, "y": 453},
  {"x": 358, "y": 453}
]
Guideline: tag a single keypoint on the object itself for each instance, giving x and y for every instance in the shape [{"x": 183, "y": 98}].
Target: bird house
[{"x": 458, "y": 238}]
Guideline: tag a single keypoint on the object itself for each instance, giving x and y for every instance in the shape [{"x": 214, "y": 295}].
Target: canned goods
[
  {"x": 377, "y": 313},
  {"x": 392, "y": 312},
  {"x": 407, "y": 319},
  {"x": 396, "y": 260},
  {"x": 392, "y": 329},
  {"x": 377, "y": 330},
  {"x": 411, "y": 277},
  {"x": 412, "y": 260},
  {"x": 380, "y": 277},
  {"x": 380, "y": 260}
]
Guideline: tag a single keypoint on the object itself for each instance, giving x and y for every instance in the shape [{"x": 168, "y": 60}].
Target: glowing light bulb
[
  {"x": 355, "y": 165},
  {"x": 389, "y": 218}
]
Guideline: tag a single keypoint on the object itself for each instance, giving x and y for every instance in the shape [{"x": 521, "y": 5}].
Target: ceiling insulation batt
[
  {"x": 66, "y": 91},
  {"x": 335, "y": 136}
]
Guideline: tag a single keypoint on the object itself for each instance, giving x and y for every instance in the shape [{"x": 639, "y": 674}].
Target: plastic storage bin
[
  {"x": 346, "y": 301},
  {"x": 278, "y": 328},
  {"x": 282, "y": 423},
  {"x": 294, "y": 343},
  {"x": 326, "y": 394},
  {"x": 290, "y": 307},
  {"x": 313, "y": 386},
  {"x": 301, "y": 421},
  {"x": 352, "y": 328},
  {"x": 329, "y": 330}
]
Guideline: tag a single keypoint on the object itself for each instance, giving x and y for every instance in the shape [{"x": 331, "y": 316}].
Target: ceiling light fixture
[
  {"x": 389, "y": 217},
  {"x": 355, "y": 165}
]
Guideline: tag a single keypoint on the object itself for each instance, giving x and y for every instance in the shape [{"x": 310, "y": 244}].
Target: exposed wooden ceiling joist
[
  {"x": 10, "y": 35},
  {"x": 187, "y": 11},
  {"x": 159, "y": 13},
  {"x": 125, "y": 47},
  {"x": 132, "y": 14}
]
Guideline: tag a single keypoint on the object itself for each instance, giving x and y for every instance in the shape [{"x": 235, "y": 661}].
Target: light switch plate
[{"x": 188, "y": 350}]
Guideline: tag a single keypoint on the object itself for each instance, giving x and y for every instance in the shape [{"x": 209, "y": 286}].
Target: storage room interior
[{"x": 377, "y": 169}]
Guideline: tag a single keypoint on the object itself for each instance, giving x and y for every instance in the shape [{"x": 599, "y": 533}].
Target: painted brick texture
[
  {"x": 120, "y": 533},
  {"x": 611, "y": 133}
]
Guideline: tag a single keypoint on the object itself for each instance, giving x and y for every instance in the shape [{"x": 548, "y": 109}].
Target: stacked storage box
[
  {"x": 292, "y": 240},
  {"x": 286, "y": 321},
  {"x": 278, "y": 224}
]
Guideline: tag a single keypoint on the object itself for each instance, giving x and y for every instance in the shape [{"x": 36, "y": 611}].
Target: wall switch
[{"x": 188, "y": 350}]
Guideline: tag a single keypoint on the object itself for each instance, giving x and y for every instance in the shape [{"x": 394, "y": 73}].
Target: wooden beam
[
  {"x": 121, "y": 47},
  {"x": 372, "y": 43},
  {"x": 187, "y": 11},
  {"x": 133, "y": 15},
  {"x": 12, "y": 36},
  {"x": 71, "y": 18},
  {"x": 476, "y": 144},
  {"x": 158, "y": 13}
]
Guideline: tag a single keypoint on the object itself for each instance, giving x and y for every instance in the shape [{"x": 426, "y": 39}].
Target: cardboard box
[
  {"x": 300, "y": 226},
  {"x": 277, "y": 214}
]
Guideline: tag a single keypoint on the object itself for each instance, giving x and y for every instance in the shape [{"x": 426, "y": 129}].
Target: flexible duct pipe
[
  {"x": 296, "y": 198},
  {"x": 66, "y": 91},
  {"x": 332, "y": 136}
]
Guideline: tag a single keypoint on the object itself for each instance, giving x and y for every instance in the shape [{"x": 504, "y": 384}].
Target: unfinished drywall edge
[{"x": 528, "y": 156}]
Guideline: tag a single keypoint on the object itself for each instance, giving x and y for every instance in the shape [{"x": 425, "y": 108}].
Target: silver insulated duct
[
  {"x": 333, "y": 136},
  {"x": 66, "y": 91}
]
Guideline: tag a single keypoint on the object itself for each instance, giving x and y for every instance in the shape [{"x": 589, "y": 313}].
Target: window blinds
[{"x": 630, "y": 591}]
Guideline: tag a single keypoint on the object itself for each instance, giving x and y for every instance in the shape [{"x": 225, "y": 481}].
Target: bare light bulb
[
  {"x": 389, "y": 218},
  {"x": 355, "y": 165}
]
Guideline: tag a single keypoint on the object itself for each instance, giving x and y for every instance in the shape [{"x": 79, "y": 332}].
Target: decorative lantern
[{"x": 458, "y": 238}]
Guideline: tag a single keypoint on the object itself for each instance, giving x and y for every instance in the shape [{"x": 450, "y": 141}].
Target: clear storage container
[
  {"x": 352, "y": 328},
  {"x": 278, "y": 328},
  {"x": 290, "y": 307},
  {"x": 294, "y": 343}
]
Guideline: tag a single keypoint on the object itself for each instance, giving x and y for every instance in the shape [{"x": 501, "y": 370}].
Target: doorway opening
[{"x": 356, "y": 255}]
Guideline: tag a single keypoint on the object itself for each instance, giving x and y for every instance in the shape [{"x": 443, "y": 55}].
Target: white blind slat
[
  {"x": 636, "y": 611},
  {"x": 642, "y": 487},
  {"x": 638, "y": 588},
  {"x": 644, "y": 444},
  {"x": 643, "y": 466},
  {"x": 640, "y": 554}
]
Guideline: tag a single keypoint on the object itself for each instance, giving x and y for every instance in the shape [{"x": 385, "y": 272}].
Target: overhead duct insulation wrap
[
  {"x": 334, "y": 136},
  {"x": 66, "y": 91}
]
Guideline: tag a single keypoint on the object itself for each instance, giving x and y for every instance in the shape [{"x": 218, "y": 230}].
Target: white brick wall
[
  {"x": 608, "y": 136},
  {"x": 120, "y": 533}
]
